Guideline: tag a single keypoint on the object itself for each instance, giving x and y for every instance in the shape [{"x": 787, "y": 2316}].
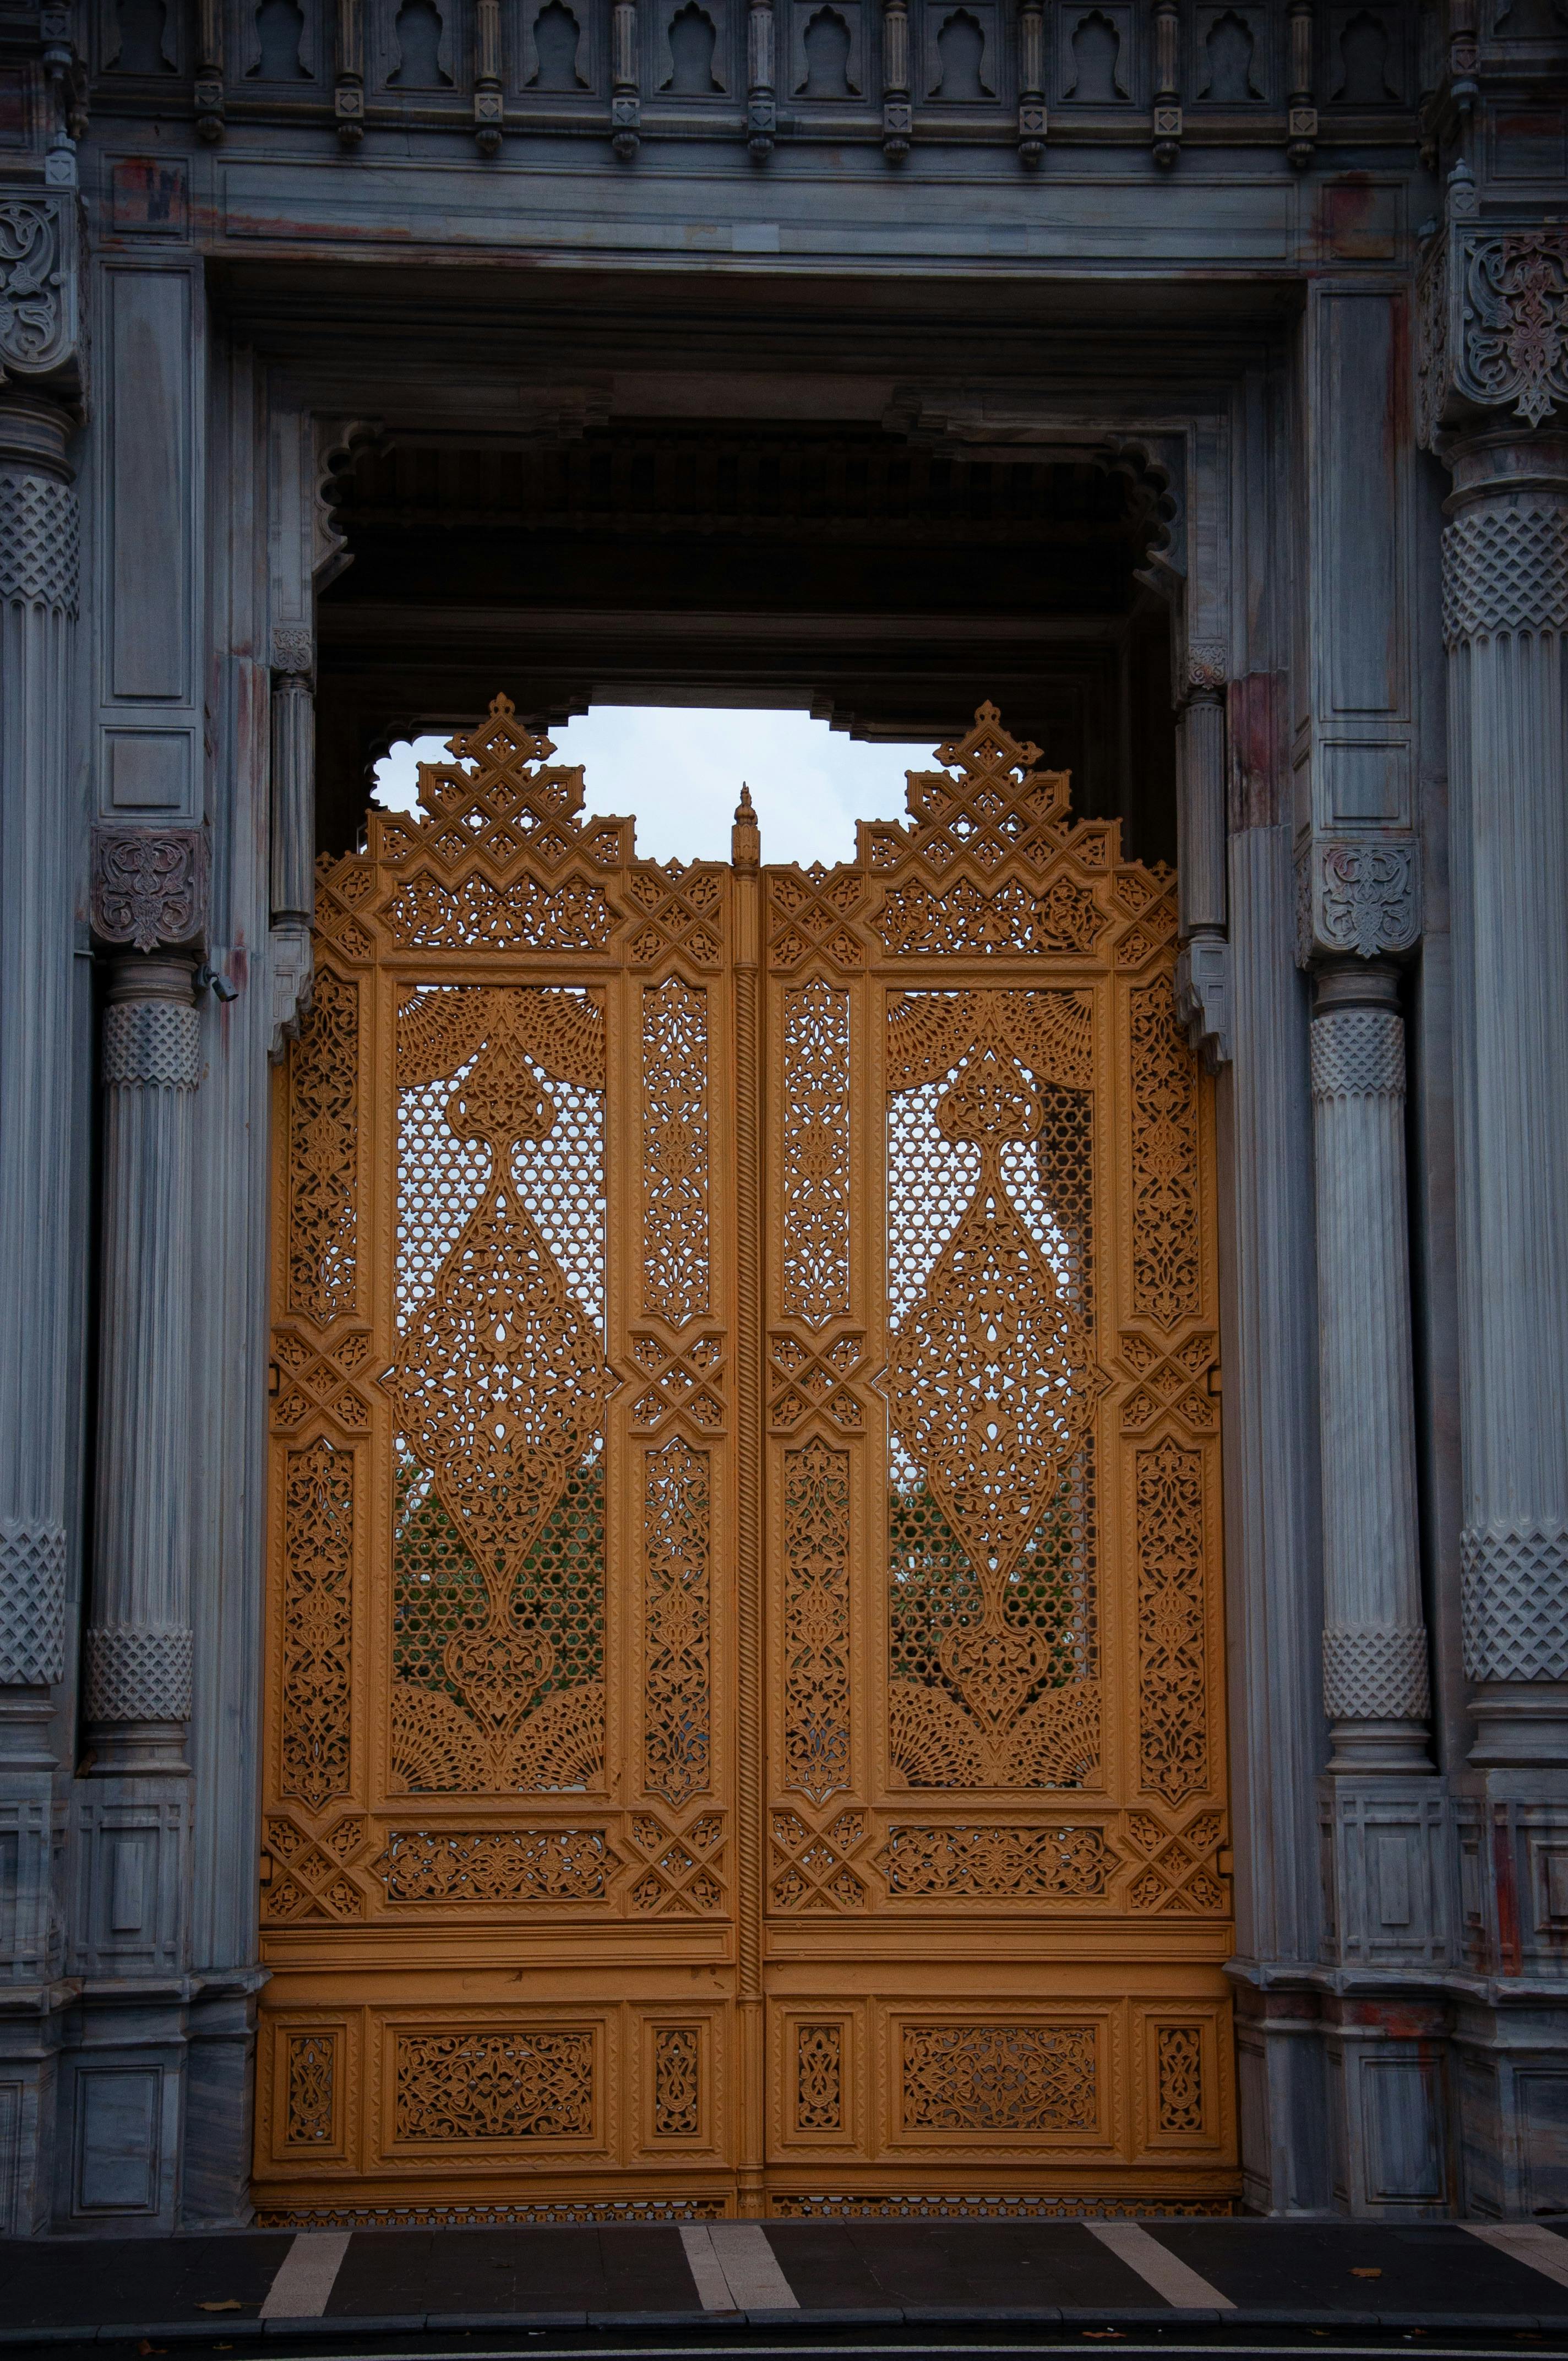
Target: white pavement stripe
[
  {"x": 752, "y": 2269},
  {"x": 1529, "y": 2243},
  {"x": 1157, "y": 2266},
  {"x": 306, "y": 2276},
  {"x": 711, "y": 2284}
]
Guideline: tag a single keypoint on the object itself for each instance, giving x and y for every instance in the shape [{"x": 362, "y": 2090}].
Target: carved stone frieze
[
  {"x": 149, "y": 886},
  {"x": 1359, "y": 895},
  {"x": 32, "y": 1602},
  {"x": 1493, "y": 325},
  {"x": 39, "y": 323},
  {"x": 39, "y": 541}
]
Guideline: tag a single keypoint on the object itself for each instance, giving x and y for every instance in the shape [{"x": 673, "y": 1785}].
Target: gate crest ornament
[{"x": 745, "y": 1507}]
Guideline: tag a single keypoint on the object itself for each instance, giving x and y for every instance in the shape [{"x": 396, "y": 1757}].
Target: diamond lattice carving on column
[{"x": 32, "y": 1602}]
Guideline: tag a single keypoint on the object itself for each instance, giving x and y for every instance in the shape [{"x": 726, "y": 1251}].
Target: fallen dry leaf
[
  {"x": 229, "y": 2303},
  {"x": 1365, "y": 2271}
]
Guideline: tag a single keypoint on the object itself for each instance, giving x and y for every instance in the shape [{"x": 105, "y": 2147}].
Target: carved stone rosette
[{"x": 149, "y": 886}]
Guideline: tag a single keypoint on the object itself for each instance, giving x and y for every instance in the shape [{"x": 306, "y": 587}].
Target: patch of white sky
[{"x": 677, "y": 770}]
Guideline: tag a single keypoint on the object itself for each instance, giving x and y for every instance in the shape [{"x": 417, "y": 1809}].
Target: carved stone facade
[{"x": 266, "y": 509}]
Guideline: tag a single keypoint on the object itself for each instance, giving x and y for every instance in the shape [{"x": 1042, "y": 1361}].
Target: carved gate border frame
[{"x": 1221, "y": 459}]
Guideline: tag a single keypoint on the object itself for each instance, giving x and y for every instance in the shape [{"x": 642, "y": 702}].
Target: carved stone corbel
[{"x": 150, "y": 887}]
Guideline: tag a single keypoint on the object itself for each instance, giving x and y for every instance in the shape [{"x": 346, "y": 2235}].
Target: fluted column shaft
[
  {"x": 139, "y": 1644},
  {"x": 39, "y": 537},
  {"x": 1375, "y": 1689},
  {"x": 1506, "y": 618}
]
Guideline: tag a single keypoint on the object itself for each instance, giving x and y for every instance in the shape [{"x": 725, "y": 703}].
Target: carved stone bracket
[
  {"x": 1494, "y": 327},
  {"x": 40, "y": 325},
  {"x": 293, "y": 975},
  {"x": 1202, "y": 990},
  {"x": 1359, "y": 895},
  {"x": 149, "y": 886}
]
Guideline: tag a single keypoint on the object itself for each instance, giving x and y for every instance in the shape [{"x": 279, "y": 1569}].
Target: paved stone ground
[{"x": 328, "y": 2289}]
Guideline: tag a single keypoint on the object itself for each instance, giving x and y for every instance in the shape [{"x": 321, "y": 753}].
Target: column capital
[
  {"x": 149, "y": 888},
  {"x": 39, "y": 295},
  {"x": 1493, "y": 327},
  {"x": 1357, "y": 897}
]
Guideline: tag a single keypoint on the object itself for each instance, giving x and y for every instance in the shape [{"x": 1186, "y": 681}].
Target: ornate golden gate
[{"x": 744, "y": 1721}]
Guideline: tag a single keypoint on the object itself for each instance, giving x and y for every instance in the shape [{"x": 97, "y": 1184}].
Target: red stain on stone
[
  {"x": 1507, "y": 1888},
  {"x": 1255, "y": 706}
]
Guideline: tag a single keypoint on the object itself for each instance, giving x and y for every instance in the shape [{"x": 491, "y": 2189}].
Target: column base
[
  {"x": 1521, "y": 1721},
  {"x": 136, "y": 1750},
  {"x": 1392, "y": 1747}
]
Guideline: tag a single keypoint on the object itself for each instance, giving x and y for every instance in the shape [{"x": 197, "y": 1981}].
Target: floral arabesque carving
[
  {"x": 323, "y": 1132},
  {"x": 817, "y": 1154},
  {"x": 311, "y": 1873},
  {"x": 495, "y": 2083},
  {"x": 1173, "y": 1666},
  {"x": 677, "y": 2083},
  {"x": 674, "y": 1152},
  {"x": 819, "y": 2078},
  {"x": 1176, "y": 1868},
  {"x": 816, "y": 1669},
  {"x": 677, "y": 1699},
  {"x": 676, "y": 1872},
  {"x": 802, "y": 1383},
  {"x": 1163, "y": 1160},
  {"x": 811, "y": 1867},
  {"x": 1178, "y": 2078},
  {"x": 980, "y": 2079},
  {"x": 318, "y": 1623},
  {"x": 487, "y": 1865},
  {"x": 960, "y": 1862}
]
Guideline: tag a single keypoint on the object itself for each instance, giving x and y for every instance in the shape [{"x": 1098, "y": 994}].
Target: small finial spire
[{"x": 745, "y": 841}]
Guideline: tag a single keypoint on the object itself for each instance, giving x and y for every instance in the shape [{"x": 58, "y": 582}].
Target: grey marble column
[
  {"x": 1505, "y": 620},
  {"x": 38, "y": 536},
  {"x": 1375, "y": 1689},
  {"x": 138, "y": 1644}
]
